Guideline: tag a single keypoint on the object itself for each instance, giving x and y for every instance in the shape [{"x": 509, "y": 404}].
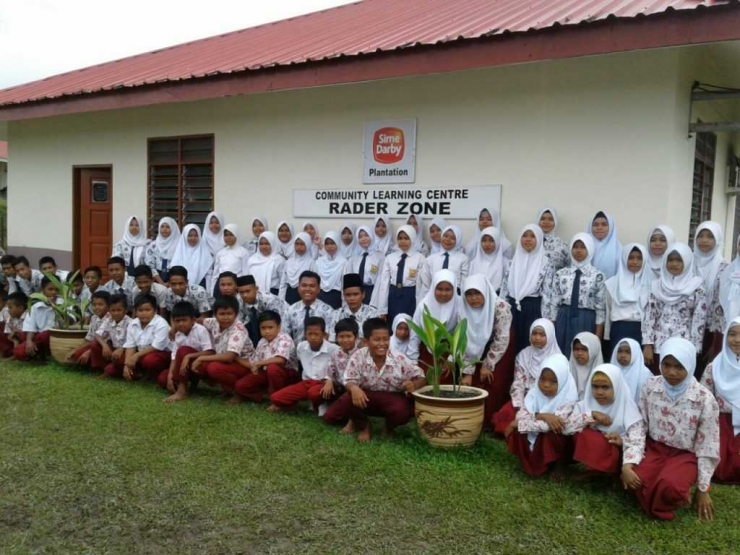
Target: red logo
[{"x": 389, "y": 145}]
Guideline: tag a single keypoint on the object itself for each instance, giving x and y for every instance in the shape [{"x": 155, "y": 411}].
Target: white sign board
[
  {"x": 458, "y": 203},
  {"x": 390, "y": 151}
]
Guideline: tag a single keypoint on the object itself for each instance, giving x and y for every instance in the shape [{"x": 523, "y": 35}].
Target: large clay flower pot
[
  {"x": 63, "y": 342},
  {"x": 449, "y": 421}
]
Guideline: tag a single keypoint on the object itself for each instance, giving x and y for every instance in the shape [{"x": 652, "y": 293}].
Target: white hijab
[
  {"x": 554, "y": 215},
  {"x": 627, "y": 288},
  {"x": 236, "y": 250},
  {"x": 636, "y": 373},
  {"x": 215, "y": 241},
  {"x": 315, "y": 250},
  {"x": 419, "y": 241},
  {"x": 480, "y": 320},
  {"x": 197, "y": 260},
  {"x": 396, "y": 344},
  {"x": 726, "y": 375},
  {"x": 671, "y": 289},
  {"x": 331, "y": 268},
  {"x": 441, "y": 224},
  {"x": 580, "y": 373},
  {"x": 263, "y": 221},
  {"x": 286, "y": 249},
  {"x": 729, "y": 288},
  {"x": 447, "y": 313},
  {"x": 371, "y": 234},
  {"x": 348, "y": 251},
  {"x": 685, "y": 353},
  {"x": 526, "y": 267},
  {"x": 490, "y": 265},
  {"x": 536, "y": 402},
  {"x": 408, "y": 230},
  {"x": 136, "y": 242},
  {"x": 383, "y": 245},
  {"x": 655, "y": 262},
  {"x": 261, "y": 267},
  {"x": 531, "y": 358},
  {"x": 168, "y": 245},
  {"x": 588, "y": 242},
  {"x": 472, "y": 247},
  {"x": 297, "y": 264},
  {"x": 707, "y": 265},
  {"x": 458, "y": 237},
  {"x": 607, "y": 251},
  {"x": 623, "y": 411}
]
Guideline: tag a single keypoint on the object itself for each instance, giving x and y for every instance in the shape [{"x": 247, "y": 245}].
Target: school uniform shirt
[
  {"x": 373, "y": 266},
  {"x": 543, "y": 288},
  {"x": 13, "y": 285},
  {"x": 265, "y": 301},
  {"x": 707, "y": 380},
  {"x": 557, "y": 251},
  {"x": 126, "y": 288},
  {"x": 315, "y": 364},
  {"x": 397, "y": 370},
  {"x": 580, "y": 419},
  {"x": 4, "y": 315},
  {"x": 282, "y": 346},
  {"x": 361, "y": 316},
  {"x": 500, "y": 342},
  {"x": 338, "y": 365},
  {"x": 715, "y": 312},
  {"x": 691, "y": 423},
  {"x": 151, "y": 256},
  {"x": 198, "y": 339},
  {"x": 233, "y": 339},
  {"x": 528, "y": 423},
  {"x": 40, "y": 318},
  {"x": 296, "y": 316},
  {"x": 95, "y": 323},
  {"x": 15, "y": 325},
  {"x": 458, "y": 265},
  {"x": 114, "y": 332},
  {"x": 156, "y": 334},
  {"x": 592, "y": 292},
  {"x": 685, "y": 318},
  {"x": 230, "y": 259},
  {"x": 32, "y": 285},
  {"x": 194, "y": 294},
  {"x": 159, "y": 292},
  {"x": 414, "y": 266}
]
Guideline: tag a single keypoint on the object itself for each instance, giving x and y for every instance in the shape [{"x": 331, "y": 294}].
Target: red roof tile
[{"x": 351, "y": 30}]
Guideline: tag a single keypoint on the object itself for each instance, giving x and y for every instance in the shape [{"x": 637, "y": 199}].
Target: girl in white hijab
[
  {"x": 490, "y": 260},
  {"x": 603, "y": 420},
  {"x": 555, "y": 247},
  {"x": 708, "y": 246},
  {"x": 366, "y": 263},
  {"x": 348, "y": 244},
  {"x": 585, "y": 355},
  {"x": 528, "y": 283},
  {"x": 627, "y": 295},
  {"x": 627, "y": 356},
  {"x": 401, "y": 334},
  {"x": 300, "y": 262},
  {"x": 659, "y": 240},
  {"x": 213, "y": 232},
  {"x": 444, "y": 304},
  {"x": 414, "y": 220},
  {"x": 676, "y": 306},
  {"x": 259, "y": 225},
  {"x": 168, "y": 237},
  {"x": 434, "y": 228},
  {"x": 232, "y": 258},
  {"x": 579, "y": 295},
  {"x": 134, "y": 247},
  {"x": 383, "y": 234},
  {"x": 722, "y": 378},
  {"x": 285, "y": 239},
  {"x": 538, "y": 441},
  {"x": 266, "y": 265},
  {"x": 729, "y": 288},
  {"x": 607, "y": 247},
  {"x": 313, "y": 231},
  {"x": 451, "y": 257},
  {"x": 192, "y": 253},
  {"x": 330, "y": 267},
  {"x": 489, "y": 218},
  {"x": 399, "y": 281}
]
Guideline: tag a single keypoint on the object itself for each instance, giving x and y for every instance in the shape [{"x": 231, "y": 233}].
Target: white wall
[{"x": 604, "y": 133}]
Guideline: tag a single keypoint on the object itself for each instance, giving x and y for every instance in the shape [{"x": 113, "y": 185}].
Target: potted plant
[
  {"x": 69, "y": 333},
  {"x": 447, "y": 415}
]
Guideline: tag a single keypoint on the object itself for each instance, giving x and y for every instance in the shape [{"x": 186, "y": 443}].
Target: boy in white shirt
[
  {"x": 147, "y": 342},
  {"x": 16, "y": 307},
  {"x": 28, "y": 280},
  {"x": 47, "y": 265},
  {"x": 145, "y": 285},
  {"x": 90, "y": 353},
  {"x": 314, "y": 354},
  {"x": 111, "y": 336},
  {"x": 38, "y": 323},
  {"x": 119, "y": 282},
  {"x": 192, "y": 340}
]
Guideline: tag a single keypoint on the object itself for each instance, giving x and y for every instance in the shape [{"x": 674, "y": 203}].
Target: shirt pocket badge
[
  {"x": 412, "y": 273},
  {"x": 373, "y": 269}
]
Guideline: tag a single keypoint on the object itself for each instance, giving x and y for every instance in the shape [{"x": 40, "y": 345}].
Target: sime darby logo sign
[{"x": 390, "y": 151}]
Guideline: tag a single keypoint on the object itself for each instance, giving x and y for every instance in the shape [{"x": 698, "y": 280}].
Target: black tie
[
  {"x": 575, "y": 294},
  {"x": 254, "y": 327},
  {"x": 131, "y": 266},
  {"x": 307, "y": 316},
  {"x": 401, "y": 268},
  {"x": 446, "y": 263},
  {"x": 362, "y": 268},
  {"x": 121, "y": 291}
]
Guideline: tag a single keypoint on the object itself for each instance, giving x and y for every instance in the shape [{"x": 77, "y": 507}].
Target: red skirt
[
  {"x": 500, "y": 420},
  {"x": 499, "y": 393},
  {"x": 728, "y": 471},
  {"x": 596, "y": 453},
  {"x": 548, "y": 449}
]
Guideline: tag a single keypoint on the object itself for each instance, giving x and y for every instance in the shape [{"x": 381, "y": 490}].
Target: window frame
[{"x": 705, "y": 195}]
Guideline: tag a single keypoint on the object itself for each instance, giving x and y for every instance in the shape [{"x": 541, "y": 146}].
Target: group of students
[{"x": 301, "y": 317}]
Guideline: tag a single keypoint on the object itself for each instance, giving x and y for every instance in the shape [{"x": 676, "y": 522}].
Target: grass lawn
[{"x": 105, "y": 467}]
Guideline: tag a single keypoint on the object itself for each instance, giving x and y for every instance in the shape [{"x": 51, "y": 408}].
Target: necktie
[
  {"x": 306, "y": 316},
  {"x": 362, "y": 268},
  {"x": 131, "y": 265},
  {"x": 253, "y": 327},
  {"x": 576, "y": 293},
  {"x": 401, "y": 269},
  {"x": 446, "y": 263}
]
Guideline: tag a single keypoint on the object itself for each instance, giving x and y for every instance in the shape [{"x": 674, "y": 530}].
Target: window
[
  {"x": 701, "y": 200},
  {"x": 180, "y": 180},
  {"x": 733, "y": 183}
]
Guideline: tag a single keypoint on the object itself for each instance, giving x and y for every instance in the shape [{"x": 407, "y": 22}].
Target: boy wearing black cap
[{"x": 353, "y": 306}]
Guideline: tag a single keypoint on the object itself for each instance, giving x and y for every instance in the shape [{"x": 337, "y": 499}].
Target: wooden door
[{"x": 95, "y": 229}]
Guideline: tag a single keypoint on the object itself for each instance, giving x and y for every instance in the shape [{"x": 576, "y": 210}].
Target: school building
[{"x": 447, "y": 105}]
